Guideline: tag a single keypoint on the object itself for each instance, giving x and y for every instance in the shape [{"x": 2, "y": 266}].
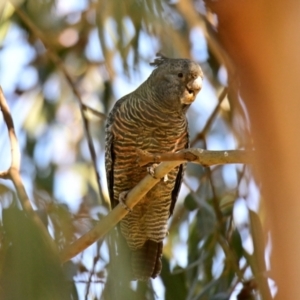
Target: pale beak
[
  {"x": 196, "y": 85},
  {"x": 191, "y": 91}
]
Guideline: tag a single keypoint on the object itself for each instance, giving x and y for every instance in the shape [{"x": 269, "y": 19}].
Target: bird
[{"x": 151, "y": 118}]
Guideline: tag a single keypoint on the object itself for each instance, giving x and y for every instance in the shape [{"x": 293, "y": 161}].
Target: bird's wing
[
  {"x": 178, "y": 180},
  {"x": 109, "y": 152}
]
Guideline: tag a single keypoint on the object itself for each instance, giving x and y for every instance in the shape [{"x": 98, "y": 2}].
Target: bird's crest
[{"x": 161, "y": 59}]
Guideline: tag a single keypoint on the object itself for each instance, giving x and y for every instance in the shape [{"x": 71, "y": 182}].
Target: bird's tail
[
  {"x": 118, "y": 282},
  {"x": 146, "y": 261}
]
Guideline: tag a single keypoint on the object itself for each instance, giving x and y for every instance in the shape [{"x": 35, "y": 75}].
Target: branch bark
[
  {"x": 13, "y": 172},
  {"x": 139, "y": 191},
  {"x": 118, "y": 213},
  {"x": 198, "y": 156}
]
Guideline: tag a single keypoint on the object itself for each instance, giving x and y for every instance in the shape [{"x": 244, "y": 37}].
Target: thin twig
[
  {"x": 230, "y": 255},
  {"x": 221, "y": 97},
  {"x": 215, "y": 202},
  {"x": 59, "y": 63},
  {"x": 14, "y": 145},
  {"x": 200, "y": 203},
  {"x": 92, "y": 272},
  {"x": 237, "y": 279},
  {"x": 201, "y": 134},
  {"x": 13, "y": 173},
  {"x": 88, "y": 284},
  {"x": 231, "y": 222},
  {"x": 85, "y": 282},
  {"x": 94, "y": 111},
  {"x": 15, "y": 151}
]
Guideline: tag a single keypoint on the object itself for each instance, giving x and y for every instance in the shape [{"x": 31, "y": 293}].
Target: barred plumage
[{"x": 151, "y": 118}]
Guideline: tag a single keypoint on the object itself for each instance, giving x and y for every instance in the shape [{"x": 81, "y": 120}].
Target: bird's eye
[{"x": 180, "y": 75}]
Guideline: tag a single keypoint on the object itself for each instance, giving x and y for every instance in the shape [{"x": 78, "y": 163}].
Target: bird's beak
[
  {"x": 195, "y": 85},
  {"x": 192, "y": 89}
]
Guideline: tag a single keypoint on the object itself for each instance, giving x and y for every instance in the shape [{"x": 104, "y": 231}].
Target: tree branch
[
  {"x": 15, "y": 151},
  {"x": 95, "y": 112},
  {"x": 198, "y": 156},
  {"x": 139, "y": 191},
  {"x": 210, "y": 120},
  {"x": 118, "y": 213},
  {"x": 13, "y": 173}
]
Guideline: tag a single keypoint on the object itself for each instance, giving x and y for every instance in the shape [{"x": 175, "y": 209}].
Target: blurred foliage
[{"x": 105, "y": 47}]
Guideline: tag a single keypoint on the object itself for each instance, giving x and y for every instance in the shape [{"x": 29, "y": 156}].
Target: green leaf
[
  {"x": 190, "y": 203},
  {"x": 258, "y": 264},
  {"x": 45, "y": 178},
  {"x": 226, "y": 204},
  {"x": 205, "y": 291},
  {"x": 175, "y": 284},
  {"x": 31, "y": 270},
  {"x": 236, "y": 244},
  {"x": 220, "y": 296},
  {"x": 206, "y": 221}
]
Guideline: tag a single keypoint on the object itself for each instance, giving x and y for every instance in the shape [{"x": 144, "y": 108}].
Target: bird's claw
[
  {"x": 151, "y": 170},
  {"x": 122, "y": 198}
]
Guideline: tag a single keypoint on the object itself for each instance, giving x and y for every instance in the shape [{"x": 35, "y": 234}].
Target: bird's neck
[{"x": 162, "y": 104}]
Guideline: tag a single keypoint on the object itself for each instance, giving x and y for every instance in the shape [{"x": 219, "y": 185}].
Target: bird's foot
[
  {"x": 122, "y": 199},
  {"x": 151, "y": 170},
  {"x": 166, "y": 178}
]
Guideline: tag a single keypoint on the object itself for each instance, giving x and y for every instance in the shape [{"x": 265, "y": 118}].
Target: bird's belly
[
  {"x": 148, "y": 219},
  {"x": 161, "y": 140}
]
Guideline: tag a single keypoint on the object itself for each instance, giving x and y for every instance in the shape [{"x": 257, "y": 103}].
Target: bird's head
[{"x": 175, "y": 82}]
